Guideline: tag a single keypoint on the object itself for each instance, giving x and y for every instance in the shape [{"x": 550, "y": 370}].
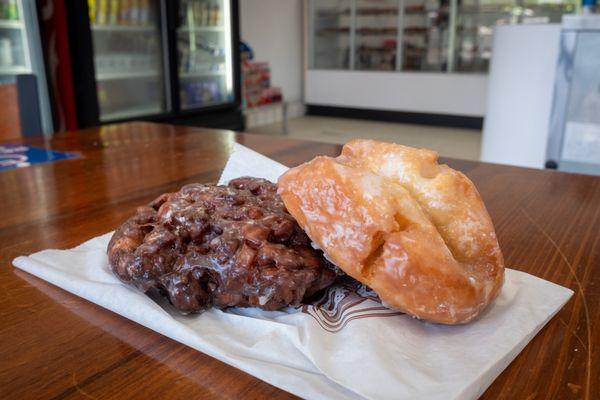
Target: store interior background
[
  {"x": 505, "y": 81},
  {"x": 420, "y": 94},
  {"x": 285, "y": 53}
]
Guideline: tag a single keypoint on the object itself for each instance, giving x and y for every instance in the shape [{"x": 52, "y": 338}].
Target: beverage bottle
[
  {"x": 102, "y": 12},
  {"x": 124, "y": 12},
  {"x": 219, "y": 16},
  {"x": 213, "y": 14},
  {"x": 199, "y": 13},
  {"x": 113, "y": 18},
  {"x": 91, "y": 10},
  {"x": 13, "y": 10},
  {"x": 133, "y": 12},
  {"x": 144, "y": 12},
  {"x": 205, "y": 15},
  {"x": 588, "y": 7}
]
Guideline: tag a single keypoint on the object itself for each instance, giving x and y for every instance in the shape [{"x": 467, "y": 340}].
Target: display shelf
[
  {"x": 113, "y": 76},
  {"x": 377, "y": 31},
  {"x": 123, "y": 28},
  {"x": 10, "y": 24},
  {"x": 359, "y": 12},
  {"x": 199, "y": 29},
  {"x": 416, "y": 9},
  {"x": 453, "y": 34},
  {"x": 14, "y": 70},
  {"x": 188, "y": 75},
  {"x": 189, "y": 106},
  {"x": 131, "y": 112}
]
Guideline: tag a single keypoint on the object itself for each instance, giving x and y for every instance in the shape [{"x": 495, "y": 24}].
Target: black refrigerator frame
[{"x": 226, "y": 115}]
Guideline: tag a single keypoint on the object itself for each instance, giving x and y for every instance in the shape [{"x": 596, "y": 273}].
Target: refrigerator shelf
[
  {"x": 123, "y": 28},
  {"x": 187, "y": 75},
  {"x": 198, "y": 29},
  {"x": 131, "y": 112},
  {"x": 14, "y": 70},
  {"x": 113, "y": 76},
  {"x": 10, "y": 24}
]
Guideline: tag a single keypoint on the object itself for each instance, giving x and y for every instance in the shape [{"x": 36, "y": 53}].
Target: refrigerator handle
[
  {"x": 174, "y": 20},
  {"x": 172, "y": 23}
]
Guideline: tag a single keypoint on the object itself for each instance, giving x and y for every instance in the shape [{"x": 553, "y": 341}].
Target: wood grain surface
[
  {"x": 54, "y": 345},
  {"x": 10, "y": 125}
]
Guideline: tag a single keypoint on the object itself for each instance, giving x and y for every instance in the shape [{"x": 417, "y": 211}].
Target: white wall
[
  {"x": 435, "y": 93},
  {"x": 274, "y": 30}
]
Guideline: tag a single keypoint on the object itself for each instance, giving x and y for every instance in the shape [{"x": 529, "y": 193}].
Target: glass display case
[
  {"x": 424, "y": 35},
  {"x": 416, "y": 35},
  {"x": 128, "y": 58},
  {"x": 376, "y": 41},
  {"x": 205, "y": 53},
  {"x": 14, "y": 55},
  {"x": 21, "y": 52},
  {"x": 476, "y": 20},
  {"x": 330, "y": 40},
  {"x": 574, "y": 140}
]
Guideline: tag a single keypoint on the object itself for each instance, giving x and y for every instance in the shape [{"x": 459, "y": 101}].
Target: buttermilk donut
[
  {"x": 221, "y": 246},
  {"x": 391, "y": 217}
]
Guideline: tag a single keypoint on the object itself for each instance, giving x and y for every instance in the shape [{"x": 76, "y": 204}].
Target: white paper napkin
[{"x": 346, "y": 346}]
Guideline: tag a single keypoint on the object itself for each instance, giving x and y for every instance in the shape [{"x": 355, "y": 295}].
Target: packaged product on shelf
[
  {"x": 134, "y": 12},
  {"x": 144, "y": 12},
  {"x": 218, "y": 16},
  {"x": 91, "y": 11},
  {"x": 184, "y": 59},
  {"x": 199, "y": 13},
  {"x": 101, "y": 15},
  {"x": 113, "y": 17},
  {"x": 205, "y": 15},
  {"x": 12, "y": 10},
  {"x": 213, "y": 15},
  {"x": 124, "y": 12}
]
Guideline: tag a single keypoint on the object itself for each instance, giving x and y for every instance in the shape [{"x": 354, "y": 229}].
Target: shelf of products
[
  {"x": 203, "y": 54},
  {"x": 375, "y": 34},
  {"x": 128, "y": 61},
  {"x": 188, "y": 75},
  {"x": 123, "y": 28},
  {"x": 127, "y": 112},
  {"x": 113, "y": 76},
  {"x": 113, "y": 13},
  {"x": 200, "y": 29},
  {"x": 417, "y": 35},
  {"x": 14, "y": 54},
  {"x": 9, "y": 11}
]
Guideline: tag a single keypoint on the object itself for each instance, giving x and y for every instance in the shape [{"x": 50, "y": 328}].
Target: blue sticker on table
[{"x": 17, "y": 156}]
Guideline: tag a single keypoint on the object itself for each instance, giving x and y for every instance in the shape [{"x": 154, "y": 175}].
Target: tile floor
[{"x": 449, "y": 142}]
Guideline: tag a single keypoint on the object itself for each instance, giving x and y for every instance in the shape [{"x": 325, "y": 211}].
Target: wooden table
[{"x": 54, "y": 345}]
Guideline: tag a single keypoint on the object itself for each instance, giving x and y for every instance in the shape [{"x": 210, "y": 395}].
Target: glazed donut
[{"x": 391, "y": 217}]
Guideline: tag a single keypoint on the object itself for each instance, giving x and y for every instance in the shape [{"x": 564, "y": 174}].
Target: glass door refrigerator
[
  {"x": 162, "y": 60},
  {"x": 21, "y": 52}
]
